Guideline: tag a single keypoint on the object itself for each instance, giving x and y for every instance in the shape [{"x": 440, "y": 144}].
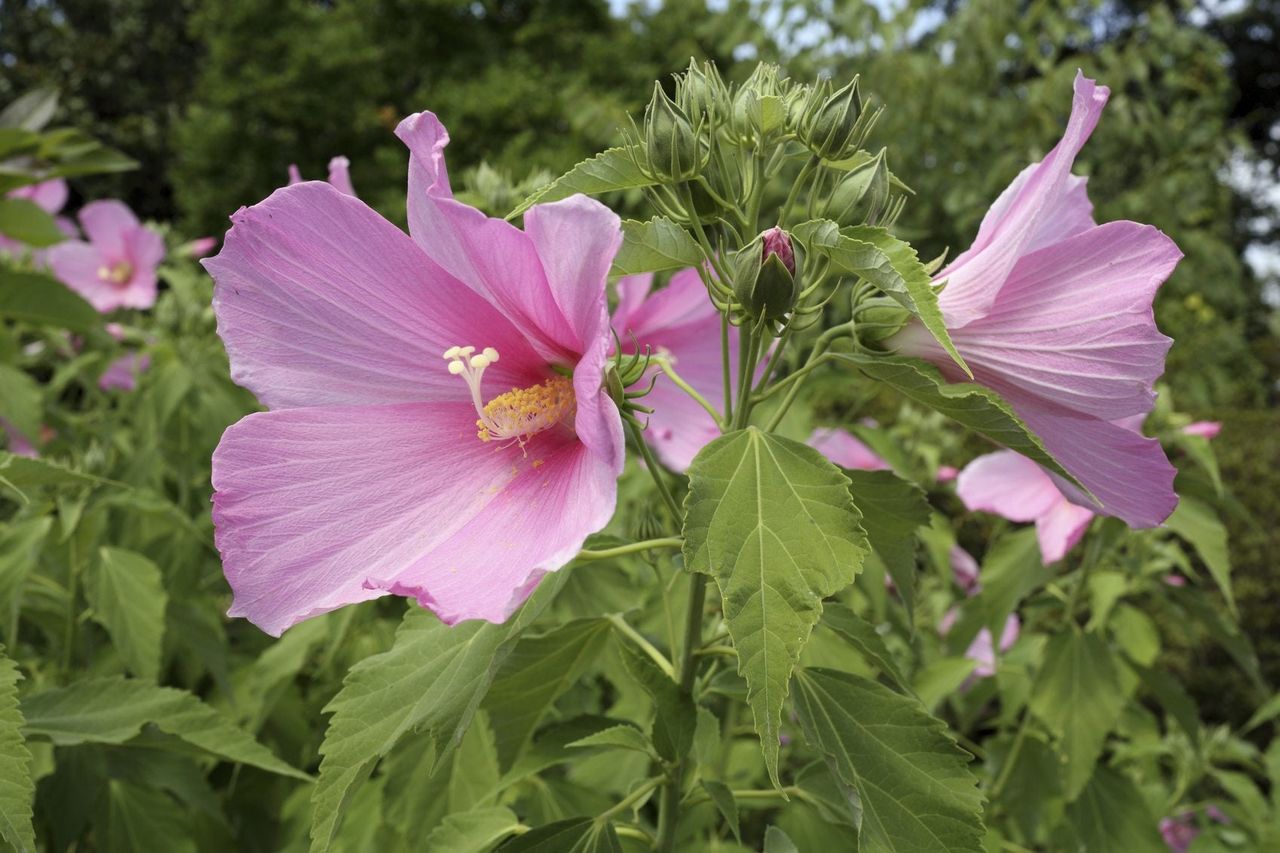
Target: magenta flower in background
[
  {"x": 965, "y": 570},
  {"x": 1204, "y": 429},
  {"x": 1054, "y": 312},
  {"x": 198, "y": 248},
  {"x": 679, "y": 323},
  {"x": 122, "y": 374},
  {"x": 19, "y": 444},
  {"x": 49, "y": 196},
  {"x": 846, "y": 450},
  {"x": 339, "y": 175},
  {"x": 116, "y": 268},
  {"x": 947, "y": 473},
  {"x": 1011, "y": 485},
  {"x": 423, "y": 437},
  {"x": 982, "y": 650}
]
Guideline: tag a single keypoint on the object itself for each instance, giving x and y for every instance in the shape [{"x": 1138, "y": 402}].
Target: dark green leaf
[
  {"x": 1171, "y": 695},
  {"x": 575, "y": 835},
  {"x": 772, "y": 521},
  {"x": 864, "y": 637},
  {"x": 675, "y": 718},
  {"x": 609, "y": 170},
  {"x": 655, "y": 246},
  {"x": 474, "y": 831},
  {"x": 725, "y": 803},
  {"x": 892, "y": 509},
  {"x": 37, "y": 298},
  {"x": 1111, "y": 816},
  {"x": 16, "y": 787},
  {"x": 127, "y": 593},
  {"x": 836, "y": 801},
  {"x": 145, "y": 819}
]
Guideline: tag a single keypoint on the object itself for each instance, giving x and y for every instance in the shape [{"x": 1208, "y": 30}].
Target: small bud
[
  {"x": 701, "y": 93},
  {"x": 670, "y": 140},
  {"x": 765, "y": 280},
  {"x": 833, "y": 129},
  {"x": 879, "y": 319},
  {"x": 862, "y": 194}
]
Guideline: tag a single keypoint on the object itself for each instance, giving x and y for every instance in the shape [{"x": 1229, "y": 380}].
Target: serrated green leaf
[
  {"x": 864, "y": 637},
  {"x": 980, "y": 409},
  {"x": 432, "y": 680},
  {"x": 723, "y": 799},
  {"x": 27, "y": 223},
  {"x": 610, "y": 170},
  {"x": 20, "y": 402},
  {"x": 19, "y": 544},
  {"x": 1078, "y": 696},
  {"x": 127, "y": 593},
  {"x": 834, "y": 800},
  {"x": 21, "y": 475},
  {"x": 892, "y": 509},
  {"x": 575, "y": 835},
  {"x": 888, "y": 263},
  {"x": 617, "y": 737},
  {"x": 144, "y": 819},
  {"x": 17, "y": 790},
  {"x": 916, "y": 790},
  {"x": 941, "y": 678},
  {"x": 474, "y": 776},
  {"x": 1173, "y": 697},
  {"x": 772, "y": 521},
  {"x": 654, "y": 246},
  {"x": 37, "y": 298},
  {"x": 1032, "y": 792},
  {"x": 551, "y": 747},
  {"x": 114, "y": 710},
  {"x": 1197, "y": 523},
  {"x": 1111, "y": 816},
  {"x": 537, "y": 671},
  {"x": 474, "y": 831}
]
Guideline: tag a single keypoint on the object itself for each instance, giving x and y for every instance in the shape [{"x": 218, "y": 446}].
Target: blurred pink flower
[
  {"x": 122, "y": 374},
  {"x": 117, "y": 267},
  {"x": 982, "y": 650},
  {"x": 198, "y": 248},
  {"x": 965, "y": 570},
  {"x": 947, "y": 473},
  {"x": 19, "y": 445},
  {"x": 1054, "y": 312},
  {"x": 339, "y": 175},
  {"x": 1204, "y": 429},
  {"x": 380, "y": 467},
  {"x": 1011, "y": 485},
  {"x": 1175, "y": 580},
  {"x": 680, "y": 323},
  {"x": 49, "y": 196},
  {"x": 846, "y": 450}
]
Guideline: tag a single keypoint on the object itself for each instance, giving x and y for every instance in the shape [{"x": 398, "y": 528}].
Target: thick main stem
[{"x": 669, "y": 805}]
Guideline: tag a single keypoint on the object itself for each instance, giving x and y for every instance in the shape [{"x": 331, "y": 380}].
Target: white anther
[
  {"x": 457, "y": 367},
  {"x": 479, "y": 362},
  {"x": 490, "y": 353},
  {"x": 452, "y": 352}
]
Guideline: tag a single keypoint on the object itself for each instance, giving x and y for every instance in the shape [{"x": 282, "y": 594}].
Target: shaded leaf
[
  {"x": 725, "y": 803},
  {"x": 27, "y": 223},
  {"x": 127, "y": 593},
  {"x": 655, "y": 246},
  {"x": 575, "y": 835},
  {"x": 474, "y": 831},
  {"x": 864, "y": 637},
  {"x": 1111, "y": 816},
  {"x": 1197, "y": 523},
  {"x": 777, "y": 841},
  {"x": 892, "y": 509},
  {"x": 145, "y": 819},
  {"x": 17, "y": 790},
  {"x": 21, "y": 403},
  {"x": 617, "y": 737},
  {"x": 609, "y": 170},
  {"x": 675, "y": 718},
  {"x": 37, "y": 298}
]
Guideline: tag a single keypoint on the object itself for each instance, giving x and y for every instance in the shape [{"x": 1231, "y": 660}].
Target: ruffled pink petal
[
  {"x": 49, "y": 196},
  {"x": 106, "y": 223},
  {"x": 340, "y": 175},
  {"x": 597, "y": 420},
  {"x": 631, "y": 290},
  {"x": 321, "y": 301},
  {"x": 320, "y": 507},
  {"x": 1042, "y": 195},
  {"x": 1204, "y": 429},
  {"x": 77, "y": 264},
  {"x": 1128, "y": 473},
  {"x": 846, "y": 450},
  {"x": 1059, "y": 529},
  {"x": 491, "y": 256},
  {"x": 1009, "y": 485},
  {"x": 1074, "y": 323}
]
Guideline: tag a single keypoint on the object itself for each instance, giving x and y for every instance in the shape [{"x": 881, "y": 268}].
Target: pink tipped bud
[{"x": 778, "y": 242}]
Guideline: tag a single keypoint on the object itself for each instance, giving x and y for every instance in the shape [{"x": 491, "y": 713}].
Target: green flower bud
[
  {"x": 671, "y": 144},
  {"x": 879, "y": 319},
  {"x": 862, "y": 194},
  {"x": 765, "y": 281},
  {"x": 834, "y": 128},
  {"x": 701, "y": 93}
]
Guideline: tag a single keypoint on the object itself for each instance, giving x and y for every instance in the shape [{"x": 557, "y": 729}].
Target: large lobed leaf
[
  {"x": 916, "y": 791},
  {"x": 772, "y": 521},
  {"x": 613, "y": 169},
  {"x": 654, "y": 246},
  {"x": 17, "y": 790}
]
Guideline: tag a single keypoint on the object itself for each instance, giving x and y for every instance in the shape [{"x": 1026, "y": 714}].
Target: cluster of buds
[
  {"x": 833, "y": 124},
  {"x": 673, "y": 148},
  {"x": 764, "y": 275}
]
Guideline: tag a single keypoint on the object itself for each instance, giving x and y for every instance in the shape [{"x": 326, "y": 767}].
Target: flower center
[
  {"x": 117, "y": 273},
  {"x": 520, "y": 413}
]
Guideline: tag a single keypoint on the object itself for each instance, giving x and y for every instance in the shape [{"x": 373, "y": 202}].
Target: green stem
[
  {"x": 666, "y": 368},
  {"x": 749, "y": 794},
  {"x": 69, "y": 630},
  {"x": 644, "y": 645},
  {"x": 629, "y": 548},
  {"x": 746, "y": 352},
  {"x": 789, "y": 380},
  {"x": 655, "y": 471},
  {"x": 819, "y": 348},
  {"x": 631, "y": 799},
  {"x": 669, "y": 805},
  {"x": 724, "y": 359},
  {"x": 805, "y": 170},
  {"x": 1007, "y": 770}
]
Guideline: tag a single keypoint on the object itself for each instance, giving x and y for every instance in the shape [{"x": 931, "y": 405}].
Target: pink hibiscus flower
[
  {"x": 122, "y": 374},
  {"x": 339, "y": 175},
  {"x": 982, "y": 650},
  {"x": 383, "y": 467},
  {"x": 1204, "y": 429},
  {"x": 947, "y": 473},
  {"x": 49, "y": 196},
  {"x": 679, "y": 323},
  {"x": 846, "y": 450},
  {"x": 1053, "y": 311},
  {"x": 117, "y": 267},
  {"x": 1011, "y": 485},
  {"x": 965, "y": 569}
]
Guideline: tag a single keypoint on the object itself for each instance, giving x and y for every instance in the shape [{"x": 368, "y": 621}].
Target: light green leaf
[
  {"x": 1111, "y": 816},
  {"x": 431, "y": 680},
  {"x": 706, "y": 737},
  {"x": 614, "y": 169},
  {"x": 978, "y": 408},
  {"x": 864, "y": 637},
  {"x": 474, "y": 831},
  {"x": 1078, "y": 695},
  {"x": 723, "y": 799},
  {"x": 617, "y": 737},
  {"x": 27, "y": 223},
  {"x": 655, "y": 246},
  {"x": 127, "y": 593},
  {"x": 37, "y": 298},
  {"x": 473, "y": 779},
  {"x": 835, "y": 801},
  {"x": 19, "y": 545},
  {"x": 20, "y": 402},
  {"x": 31, "y": 111},
  {"x": 145, "y": 819},
  {"x": 892, "y": 509},
  {"x": 888, "y": 263},
  {"x": 21, "y": 475},
  {"x": 777, "y": 841},
  {"x": 675, "y": 719},
  {"x": 114, "y": 710},
  {"x": 941, "y": 678},
  {"x": 535, "y": 673},
  {"x": 1197, "y": 523},
  {"x": 772, "y": 521},
  {"x": 914, "y": 783},
  {"x": 17, "y": 790},
  {"x": 575, "y": 835}
]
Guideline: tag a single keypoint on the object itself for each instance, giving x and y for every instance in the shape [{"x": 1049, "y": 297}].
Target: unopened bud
[
  {"x": 765, "y": 280},
  {"x": 879, "y": 319},
  {"x": 701, "y": 93},
  {"x": 862, "y": 194},
  {"x": 831, "y": 129},
  {"x": 670, "y": 140}
]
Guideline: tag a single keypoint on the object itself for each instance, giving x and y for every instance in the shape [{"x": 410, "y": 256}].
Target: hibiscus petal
[
  {"x": 489, "y": 255},
  {"x": 76, "y": 264},
  {"x": 340, "y": 175},
  {"x": 1074, "y": 323},
  {"x": 1044, "y": 197},
  {"x": 1060, "y": 529},
  {"x": 1009, "y": 485},
  {"x": 106, "y": 223},
  {"x": 144, "y": 248},
  {"x": 576, "y": 239},
  {"x": 321, "y": 507},
  {"x": 49, "y": 196},
  {"x": 846, "y": 450},
  {"x": 631, "y": 290},
  {"x": 321, "y": 301}
]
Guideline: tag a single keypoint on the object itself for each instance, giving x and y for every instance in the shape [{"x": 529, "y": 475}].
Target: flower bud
[
  {"x": 670, "y": 141},
  {"x": 862, "y": 194},
  {"x": 832, "y": 129},
  {"x": 879, "y": 319},
  {"x": 765, "y": 281},
  {"x": 701, "y": 93}
]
